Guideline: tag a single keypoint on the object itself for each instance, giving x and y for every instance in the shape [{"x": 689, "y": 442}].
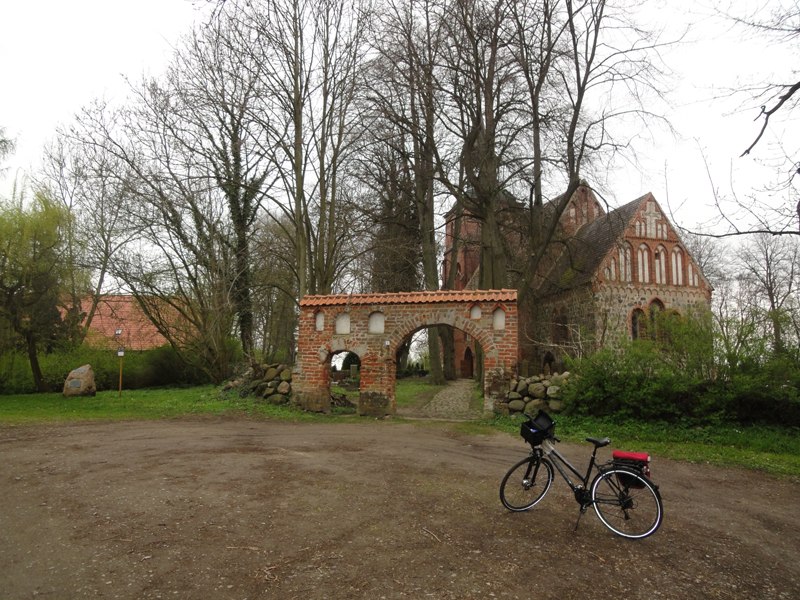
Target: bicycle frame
[{"x": 559, "y": 461}]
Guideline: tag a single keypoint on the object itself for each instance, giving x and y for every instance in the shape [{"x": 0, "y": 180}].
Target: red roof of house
[
  {"x": 436, "y": 296},
  {"x": 123, "y": 312}
]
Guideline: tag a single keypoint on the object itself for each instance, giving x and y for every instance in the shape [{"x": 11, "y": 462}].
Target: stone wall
[
  {"x": 529, "y": 394},
  {"x": 272, "y": 382}
]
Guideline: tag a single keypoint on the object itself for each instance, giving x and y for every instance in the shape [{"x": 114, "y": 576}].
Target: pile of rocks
[
  {"x": 529, "y": 394},
  {"x": 273, "y": 382}
]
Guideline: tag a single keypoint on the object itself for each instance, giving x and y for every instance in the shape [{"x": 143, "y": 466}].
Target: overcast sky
[{"x": 58, "y": 55}]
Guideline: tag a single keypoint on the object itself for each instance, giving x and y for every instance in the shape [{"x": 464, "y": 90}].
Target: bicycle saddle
[{"x": 599, "y": 443}]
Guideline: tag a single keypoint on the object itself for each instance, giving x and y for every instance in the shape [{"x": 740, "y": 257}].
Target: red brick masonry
[{"x": 379, "y": 323}]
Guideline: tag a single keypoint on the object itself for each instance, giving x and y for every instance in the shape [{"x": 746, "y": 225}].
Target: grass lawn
[{"x": 772, "y": 449}]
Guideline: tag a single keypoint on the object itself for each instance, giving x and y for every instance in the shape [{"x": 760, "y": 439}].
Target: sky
[{"x": 58, "y": 55}]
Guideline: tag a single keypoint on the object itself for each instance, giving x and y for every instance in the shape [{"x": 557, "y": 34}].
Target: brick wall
[{"x": 403, "y": 314}]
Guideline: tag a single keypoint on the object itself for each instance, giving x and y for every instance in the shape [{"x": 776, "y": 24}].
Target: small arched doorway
[{"x": 468, "y": 364}]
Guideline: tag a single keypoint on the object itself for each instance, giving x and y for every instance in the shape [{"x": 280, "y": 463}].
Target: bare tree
[
  {"x": 309, "y": 56},
  {"x": 91, "y": 185},
  {"x": 403, "y": 102},
  {"x": 190, "y": 152},
  {"x": 773, "y": 99},
  {"x": 772, "y": 265}
]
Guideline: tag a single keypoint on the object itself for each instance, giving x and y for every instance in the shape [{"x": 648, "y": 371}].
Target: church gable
[{"x": 649, "y": 251}]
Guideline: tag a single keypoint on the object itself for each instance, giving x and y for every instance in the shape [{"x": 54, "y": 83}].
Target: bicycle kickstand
[{"x": 580, "y": 514}]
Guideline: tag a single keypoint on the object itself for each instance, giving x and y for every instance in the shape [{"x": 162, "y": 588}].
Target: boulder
[
  {"x": 277, "y": 399},
  {"x": 516, "y": 405},
  {"x": 80, "y": 382},
  {"x": 537, "y": 390},
  {"x": 533, "y": 406}
]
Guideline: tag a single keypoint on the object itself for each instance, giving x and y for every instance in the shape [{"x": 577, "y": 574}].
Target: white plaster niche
[
  {"x": 376, "y": 323},
  {"x": 475, "y": 312},
  {"x": 343, "y": 324},
  {"x": 499, "y": 319},
  {"x": 319, "y": 321}
]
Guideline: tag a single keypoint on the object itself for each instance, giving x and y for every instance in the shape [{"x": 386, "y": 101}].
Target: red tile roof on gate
[{"x": 436, "y": 296}]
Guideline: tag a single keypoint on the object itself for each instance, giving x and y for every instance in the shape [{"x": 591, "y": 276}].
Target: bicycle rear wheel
[
  {"x": 627, "y": 503},
  {"x": 526, "y": 483}
]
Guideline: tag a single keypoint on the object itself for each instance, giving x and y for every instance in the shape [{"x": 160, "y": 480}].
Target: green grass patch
[
  {"x": 412, "y": 391},
  {"x": 771, "y": 449},
  {"x": 153, "y": 403}
]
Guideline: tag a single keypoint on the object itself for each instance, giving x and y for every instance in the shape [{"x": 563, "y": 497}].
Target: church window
[
  {"x": 677, "y": 267},
  {"x": 661, "y": 265},
  {"x": 625, "y": 263},
  {"x": 643, "y": 263},
  {"x": 694, "y": 277},
  {"x": 560, "y": 328},
  {"x": 638, "y": 324}
]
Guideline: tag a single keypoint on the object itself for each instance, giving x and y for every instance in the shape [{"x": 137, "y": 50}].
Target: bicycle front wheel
[
  {"x": 627, "y": 503},
  {"x": 526, "y": 483}
]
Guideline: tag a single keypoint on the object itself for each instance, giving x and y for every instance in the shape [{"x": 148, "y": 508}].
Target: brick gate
[{"x": 373, "y": 326}]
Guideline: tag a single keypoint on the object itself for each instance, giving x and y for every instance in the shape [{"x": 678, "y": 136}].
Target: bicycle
[{"x": 622, "y": 494}]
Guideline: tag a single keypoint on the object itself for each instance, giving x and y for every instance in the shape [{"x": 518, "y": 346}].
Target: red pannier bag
[{"x": 638, "y": 461}]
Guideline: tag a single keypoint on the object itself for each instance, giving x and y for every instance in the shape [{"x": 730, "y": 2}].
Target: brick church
[{"x": 604, "y": 278}]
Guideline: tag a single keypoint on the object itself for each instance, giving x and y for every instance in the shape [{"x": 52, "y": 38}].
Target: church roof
[{"x": 583, "y": 253}]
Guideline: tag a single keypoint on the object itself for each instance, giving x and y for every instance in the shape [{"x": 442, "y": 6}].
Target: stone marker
[{"x": 80, "y": 382}]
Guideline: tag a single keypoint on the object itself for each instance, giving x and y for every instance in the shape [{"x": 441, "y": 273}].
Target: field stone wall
[
  {"x": 272, "y": 382},
  {"x": 529, "y": 394}
]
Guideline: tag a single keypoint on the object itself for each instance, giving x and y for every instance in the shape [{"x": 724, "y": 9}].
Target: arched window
[
  {"x": 643, "y": 263},
  {"x": 638, "y": 324},
  {"x": 475, "y": 312},
  {"x": 694, "y": 276},
  {"x": 376, "y": 322},
  {"x": 498, "y": 319},
  {"x": 656, "y": 311},
  {"x": 661, "y": 265},
  {"x": 625, "y": 268},
  {"x": 677, "y": 266},
  {"x": 319, "y": 321},
  {"x": 560, "y": 328},
  {"x": 611, "y": 270},
  {"x": 343, "y": 324}
]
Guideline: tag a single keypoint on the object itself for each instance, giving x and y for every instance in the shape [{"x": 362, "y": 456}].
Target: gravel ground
[{"x": 242, "y": 509}]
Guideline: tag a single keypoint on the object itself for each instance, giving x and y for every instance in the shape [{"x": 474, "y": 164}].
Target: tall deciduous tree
[
  {"x": 404, "y": 96},
  {"x": 92, "y": 186},
  {"x": 32, "y": 275},
  {"x": 771, "y": 264},
  {"x": 309, "y": 56}
]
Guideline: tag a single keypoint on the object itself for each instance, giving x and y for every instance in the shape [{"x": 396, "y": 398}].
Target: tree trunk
[{"x": 33, "y": 357}]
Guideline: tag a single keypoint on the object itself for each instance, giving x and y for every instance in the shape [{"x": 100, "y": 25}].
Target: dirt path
[{"x": 240, "y": 509}]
